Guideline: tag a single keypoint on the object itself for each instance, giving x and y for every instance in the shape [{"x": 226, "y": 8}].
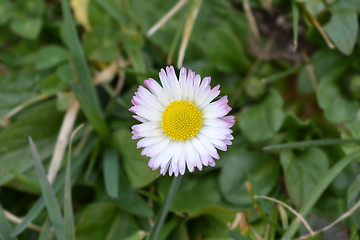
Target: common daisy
[{"x": 181, "y": 126}]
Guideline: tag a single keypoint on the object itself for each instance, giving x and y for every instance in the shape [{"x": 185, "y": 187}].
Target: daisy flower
[{"x": 181, "y": 125}]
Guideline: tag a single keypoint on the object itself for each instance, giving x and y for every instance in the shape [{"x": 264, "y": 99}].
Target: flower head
[{"x": 181, "y": 124}]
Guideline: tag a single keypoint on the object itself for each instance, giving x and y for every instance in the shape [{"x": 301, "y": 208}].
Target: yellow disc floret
[{"x": 181, "y": 120}]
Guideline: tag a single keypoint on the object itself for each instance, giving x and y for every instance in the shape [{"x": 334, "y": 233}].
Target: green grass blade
[
  {"x": 46, "y": 230},
  {"x": 113, "y": 12},
  {"x": 319, "y": 190},
  {"x": 94, "y": 117},
  {"x": 160, "y": 218},
  {"x": 237, "y": 236},
  {"x": 68, "y": 209},
  {"x": 5, "y": 226},
  {"x": 59, "y": 183},
  {"x": 111, "y": 172},
  {"x": 48, "y": 194},
  {"x": 295, "y": 15},
  {"x": 27, "y": 181},
  {"x": 81, "y": 67},
  {"x": 311, "y": 143},
  {"x": 31, "y": 215}
]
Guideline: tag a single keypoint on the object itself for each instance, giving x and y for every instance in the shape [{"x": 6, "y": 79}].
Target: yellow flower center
[{"x": 181, "y": 120}]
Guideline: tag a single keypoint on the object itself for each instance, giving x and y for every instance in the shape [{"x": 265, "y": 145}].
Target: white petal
[
  {"x": 156, "y": 149},
  {"x": 174, "y": 83},
  {"x": 207, "y": 145},
  {"x": 158, "y": 91},
  {"x": 151, "y": 115}
]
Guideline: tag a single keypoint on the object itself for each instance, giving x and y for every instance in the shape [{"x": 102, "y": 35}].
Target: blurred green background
[{"x": 291, "y": 70}]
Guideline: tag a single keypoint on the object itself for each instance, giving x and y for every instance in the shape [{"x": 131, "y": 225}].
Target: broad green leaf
[
  {"x": 313, "y": 6},
  {"x": 319, "y": 189},
  {"x": 135, "y": 165},
  {"x": 111, "y": 8},
  {"x": 28, "y": 28},
  {"x": 303, "y": 169},
  {"x": 195, "y": 193},
  {"x": 338, "y": 108},
  {"x": 15, "y": 153},
  {"x": 48, "y": 195},
  {"x": 111, "y": 172},
  {"x": 241, "y": 165},
  {"x": 224, "y": 50},
  {"x": 325, "y": 63},
  {"x": 261, "y": 121},
  {"x": 101, "y": 43},
  {"x": 65, "y": 73},
  {"x": 33, "y": 7},
  {"x": 50, "y": 56},
  {"x": 352, "y": 132},
  {"x": 52, "y": 85},
  {"x": 104, "y": 221},
  {"x": 17, "y": 88},
  {"x": 5, "y": 11},
  {"x": 129, "y": 200},
  {"x": 343, "y": 27}
]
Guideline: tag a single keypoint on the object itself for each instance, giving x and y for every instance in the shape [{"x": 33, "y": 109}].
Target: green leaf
[
  {"x": 302, "y": 171},
  {"x": 326, "y": 63},
  {"x": 105, "y": 221},
  {"x": 14, "y": 151},
  {"x": 241, "y": 165},
  {"x": 95, "y": 117},
  {"x": 5, "y": 227},
  {"x": 352, "y": 132},
  {"x": 195, "y": 193},
  {"x": 30, "y": 183},
  {"x": 46, "y": 230},
  {"x": 130, "y": 201},
  {"x": 52, "y": 85},
  {"x": 353, "y": 195},
  {"x": 338, "y": 108},
  {"x": 17, "y": 88},
  {"x": 65, "y": 73},
  {"x": 224, "y": 50},
  {"x": 261, "y": 121},
  {"x": 101, "y": 43},
  {"x": 111, "y": 172},
  {"x": 343, "y": 27},
  {"x": 28, "y": 28},
  {"x": 163, "y": 212},
  {"x": 50, "y": 56},
  {"x": 69, "y": 228},
  {"x": 82, "y": 71},
  {"x": 5, "y": 11},
  {"x": 313, "y": 6},
  {"x": 237, "y": 236},
  {"x": 135, "y": 165},
  {"x": 48, "y": 194},
  {"x": 58, "y": 184},
  {"x": 110, "y": 8},
  {"x": 318, "y": 190}
]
